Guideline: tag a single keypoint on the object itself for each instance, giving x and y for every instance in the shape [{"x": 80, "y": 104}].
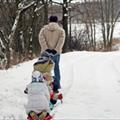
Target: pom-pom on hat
[
  {"x": 37, "y": 76},
  {"x": 53, "y": 19}
]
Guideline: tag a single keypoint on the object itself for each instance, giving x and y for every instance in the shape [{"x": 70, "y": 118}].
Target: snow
[{"x": 90, "y": 84}]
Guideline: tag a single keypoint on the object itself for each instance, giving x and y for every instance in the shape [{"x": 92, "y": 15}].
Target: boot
[{"x": 33, "y": 115}]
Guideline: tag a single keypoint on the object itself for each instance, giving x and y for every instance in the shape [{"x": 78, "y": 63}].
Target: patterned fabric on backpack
[{"x": 44, "y": 65}]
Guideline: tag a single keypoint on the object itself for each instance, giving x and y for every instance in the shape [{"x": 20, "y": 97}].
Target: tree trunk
[
  {"x": 65, "y": 25},
  {"x": 45, "y": 13}
]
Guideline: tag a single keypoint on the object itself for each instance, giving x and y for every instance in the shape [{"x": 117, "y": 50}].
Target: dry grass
[{"x": 116, "y": 41}]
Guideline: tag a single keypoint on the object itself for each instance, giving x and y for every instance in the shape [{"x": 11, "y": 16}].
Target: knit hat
[
  {"x": 53, "y": 19},
  {"x": 37, "y": 76}
]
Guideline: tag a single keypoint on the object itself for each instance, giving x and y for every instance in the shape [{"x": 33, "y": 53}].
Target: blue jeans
[
  {"x": 56, "y": 60},
  {"x": 56, "y": 83}
]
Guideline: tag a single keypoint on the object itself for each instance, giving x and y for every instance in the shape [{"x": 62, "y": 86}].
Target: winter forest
[{"x": 83, "y": 21}]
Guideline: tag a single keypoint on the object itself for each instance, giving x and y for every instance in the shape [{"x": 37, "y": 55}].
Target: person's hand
[
  {"x": 26, "y": 91},
  {"x": 48, "y": 50},
  {"x": 53, "y": 51}
]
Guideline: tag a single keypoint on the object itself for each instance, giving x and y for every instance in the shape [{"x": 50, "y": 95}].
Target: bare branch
[
  {"x": 37, "y": 9},
  {"x": 20, "y": 9},
  {"x": 118, "y": 15},
  {"x": 21, "y": 6},
  {"x": 56, "y": 2},
  {"x": 2, "y": 36}
]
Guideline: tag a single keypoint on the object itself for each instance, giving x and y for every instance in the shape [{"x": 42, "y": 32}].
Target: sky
[{"x": 90, "y": 85}]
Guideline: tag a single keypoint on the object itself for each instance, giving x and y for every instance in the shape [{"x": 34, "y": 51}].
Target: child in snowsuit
[{"x": 38, "y": 97}]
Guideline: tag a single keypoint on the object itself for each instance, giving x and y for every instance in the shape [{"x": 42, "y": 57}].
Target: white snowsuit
[{"x": 38, "y": 97}]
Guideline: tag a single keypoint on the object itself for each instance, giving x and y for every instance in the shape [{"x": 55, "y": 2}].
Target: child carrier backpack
[{"x": 44, "y": 64}]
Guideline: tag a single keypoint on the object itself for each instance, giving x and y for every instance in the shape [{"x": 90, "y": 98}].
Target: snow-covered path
[
  {"x": 94, "y": 86},
  {"x": 90, "y": 83}
]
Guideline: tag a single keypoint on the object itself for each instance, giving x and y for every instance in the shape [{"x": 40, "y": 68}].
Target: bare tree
[
  {"x": 10, "y": 39},
  {"x": 45, "y": 3},
  {"x": 89, "y": 20},
  {"x": 105, "y": 12},
  {"x": 3, "y": 41},
  {"x": 108, "y": 19}
]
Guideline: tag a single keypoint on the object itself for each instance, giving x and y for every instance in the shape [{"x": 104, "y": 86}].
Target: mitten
[
  {"x": 26, "y": 91},
  {"x": 53, "y": 51},
  {"x": 60, "y": 96},
  {"x": 48, "y": 50}
]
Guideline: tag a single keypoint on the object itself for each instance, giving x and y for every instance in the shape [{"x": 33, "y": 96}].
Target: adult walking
[{"x": 52, "y": 38}]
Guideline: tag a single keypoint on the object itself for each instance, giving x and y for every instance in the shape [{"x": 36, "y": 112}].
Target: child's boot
[{"x": 33, "y": 115}]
